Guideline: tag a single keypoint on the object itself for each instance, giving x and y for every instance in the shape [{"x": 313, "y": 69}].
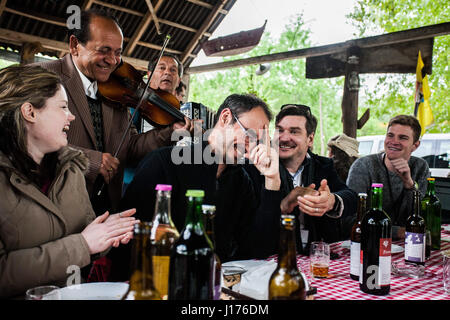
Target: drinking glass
[
  {"x": 43, "y": 293},
  {"x": 319, "y": 258},
  {"x": 446, "y": 271}
]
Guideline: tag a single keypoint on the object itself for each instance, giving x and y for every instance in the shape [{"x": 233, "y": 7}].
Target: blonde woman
[{"x": 46, "y": 220}]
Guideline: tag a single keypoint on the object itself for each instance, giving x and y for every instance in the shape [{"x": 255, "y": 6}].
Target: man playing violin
[{"x": 95, "y": 52}]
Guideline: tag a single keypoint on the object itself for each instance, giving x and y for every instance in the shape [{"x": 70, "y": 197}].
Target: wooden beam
[
  {"x": 153, "y": 14},
  {"x": 119, "y": 8},
  {"x": 390, "y": 38},
  {"x": 140, "y": 30},
  {"x": 208, "y": 21},
  {"x": 183, "y": 27},
  {"x": 19, "y": 38},
  {"x": 2, "y": 6},
  {"x": 207, "y": 5},
  {"x": 52, "y": 20},
  {"x": 87, "y": 4}
]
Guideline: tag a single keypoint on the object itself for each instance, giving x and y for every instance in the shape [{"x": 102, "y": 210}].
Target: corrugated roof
[{"x": 189, "y": 22}]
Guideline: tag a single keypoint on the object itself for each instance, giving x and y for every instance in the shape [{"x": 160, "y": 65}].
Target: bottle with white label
[
  {"x": 376, "y": 241},
  {"x": 355, "y": 237},
  {"x": 415, "y": 240}
]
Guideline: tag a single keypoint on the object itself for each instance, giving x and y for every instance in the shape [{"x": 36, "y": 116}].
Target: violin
[{"x": 125, "y": 86}]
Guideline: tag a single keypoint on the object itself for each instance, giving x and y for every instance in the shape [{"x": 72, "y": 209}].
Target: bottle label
[
  {"x": 415, "y": 247},
  {"x": 355, "y": 248},
  {"x": 384, "y": 271}
]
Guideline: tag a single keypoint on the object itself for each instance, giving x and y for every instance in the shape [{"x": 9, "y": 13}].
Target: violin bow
[{"x": 141, "y": 99}]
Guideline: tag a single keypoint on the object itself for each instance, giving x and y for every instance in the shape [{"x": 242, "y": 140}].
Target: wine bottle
[
  {"x": 355, "y": 237},
  {"x": 191, "y": 271},
  {"x": 209, "y": 212},
  {"x": 286, "y": 282},
  {"x": 163, "y": 236},
  {"x": 431, "y": 210},
  {"x": 415, "y": 235},
  {"x": 376, "y": 241},
  {"x": 141, "y": 285}
]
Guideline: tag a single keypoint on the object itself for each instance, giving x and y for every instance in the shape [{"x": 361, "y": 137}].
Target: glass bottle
[
  {"x": 191, "y": 273},
  {"x": 286, "y": 282},
  {"x": 209, "y": 212},
  {"x": 415, "y": 239},
  {"x": 376, "y": 241},
  {"x": 163, "y": 236},
  {"x": 355, "y": 237},
  {"x": 141, "y": 285},
  {"x": 431, "y": 210}
]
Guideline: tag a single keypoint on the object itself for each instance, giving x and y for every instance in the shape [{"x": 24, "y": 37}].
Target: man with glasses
[
  {"x": 213, "y": 166},
  {"x": 326, "y": 213},
  {"x": 95, "y": 52}
]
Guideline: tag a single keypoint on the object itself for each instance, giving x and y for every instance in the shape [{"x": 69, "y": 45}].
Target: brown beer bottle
[
  {"x": 355, "y": 237},
  {"x": 141, "y": 280},
  {"x": 163, "y": 236},
  {"x": 286, "y": 282}
]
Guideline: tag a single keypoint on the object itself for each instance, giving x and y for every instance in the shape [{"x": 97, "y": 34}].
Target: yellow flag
[{"x": 423, "y": 109}]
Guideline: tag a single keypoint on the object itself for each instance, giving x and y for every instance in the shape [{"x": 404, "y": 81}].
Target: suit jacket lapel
[{"x": 72, "y": 82}]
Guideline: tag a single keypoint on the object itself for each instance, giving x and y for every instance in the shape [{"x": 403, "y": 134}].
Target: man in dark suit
[{"x": 95, "y": 52}]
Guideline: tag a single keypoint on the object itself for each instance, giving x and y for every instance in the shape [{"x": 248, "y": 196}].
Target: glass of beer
[{"x": 319, "y": 258}]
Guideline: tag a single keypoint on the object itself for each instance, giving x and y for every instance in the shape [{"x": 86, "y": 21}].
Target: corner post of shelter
[
  {"x": 28, "y": 50},
  {"x": 351, "y": 91}
]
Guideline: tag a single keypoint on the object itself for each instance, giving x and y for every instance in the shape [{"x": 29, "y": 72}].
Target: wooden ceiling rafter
[
  {"x": 200, "y": 32},
  {"x": 145, "y": 22},
  {"x": 187, "y": 30}
]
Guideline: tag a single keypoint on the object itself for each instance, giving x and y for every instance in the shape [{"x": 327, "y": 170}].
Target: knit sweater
[{"x": 397, "y": 200}]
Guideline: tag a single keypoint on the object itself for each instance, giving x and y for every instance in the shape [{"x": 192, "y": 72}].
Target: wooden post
[
  {"x": 28, "y": 50},
  {"x": 351, "y": 90}
]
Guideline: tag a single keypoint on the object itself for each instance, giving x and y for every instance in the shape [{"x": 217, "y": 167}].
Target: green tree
[
  {"x": 284, "y": 83},
  {"x": 394, "y": 93}
]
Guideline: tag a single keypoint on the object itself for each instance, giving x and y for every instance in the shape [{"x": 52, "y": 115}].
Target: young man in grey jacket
[{"x": 396, "y": 169}]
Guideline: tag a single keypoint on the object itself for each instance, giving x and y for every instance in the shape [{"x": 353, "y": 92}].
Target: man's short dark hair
[
  {"x": 83, "y": 33},
  {"x": 152, "y": 63},
  {"x": 241, "y": 103},
  {"x": 410, "y": 121},
  {"x": 298, "y": 110}
]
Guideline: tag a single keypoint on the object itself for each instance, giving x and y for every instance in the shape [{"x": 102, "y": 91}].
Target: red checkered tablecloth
[{"x": 342, "y": 287}]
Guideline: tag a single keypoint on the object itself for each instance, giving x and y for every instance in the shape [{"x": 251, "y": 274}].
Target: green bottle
[
  {"x": 191, "y": 269},
  {"x": 376, "y": 240},
  {"x": 431, "y": 211}
]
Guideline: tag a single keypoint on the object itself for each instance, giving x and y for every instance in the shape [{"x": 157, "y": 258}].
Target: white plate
[
  {"x": 94, "y": 291},
  {"x": 394, "y": 249}
]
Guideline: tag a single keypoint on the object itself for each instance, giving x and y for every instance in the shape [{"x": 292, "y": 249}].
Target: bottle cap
[
  {"x": 195, "y": 193},
  {"x": 163, "y": 187},
  {"x": 207, "y": 208},
  {"x": 377, "y": 185},
  {"x": 362, "y": 194},
  {"x": 430, "y": 179}
]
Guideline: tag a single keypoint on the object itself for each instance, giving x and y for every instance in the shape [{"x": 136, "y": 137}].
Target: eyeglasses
[
  {"x": 250, "y": 133},
  {"x": 301, "y": 107}
]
